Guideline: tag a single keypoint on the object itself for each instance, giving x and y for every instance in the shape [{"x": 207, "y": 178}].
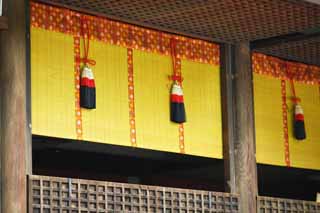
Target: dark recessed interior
[
  {"x": 84, "y": 160},
  {"x": 60, "y": 157}
]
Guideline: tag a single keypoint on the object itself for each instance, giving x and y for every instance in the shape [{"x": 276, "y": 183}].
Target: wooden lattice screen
[
  {"x": 65, "y": 195},
  {"x": 279, "y": 205}
]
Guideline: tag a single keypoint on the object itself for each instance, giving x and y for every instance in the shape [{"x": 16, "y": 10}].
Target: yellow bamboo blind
[
  {"x": 54, "y": 98},
  {"x": 271, "y": 89}
]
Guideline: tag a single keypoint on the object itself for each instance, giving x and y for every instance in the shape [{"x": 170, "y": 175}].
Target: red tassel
[
  {"x": 87, "y": 89},
  {"x": 299, "y": 127},
  {"x": 178, "y": 114}
]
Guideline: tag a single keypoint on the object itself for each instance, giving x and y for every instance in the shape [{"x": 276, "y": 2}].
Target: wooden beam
[
  {"x": 13, "y": 131},
  {"x": 292, "y": 37},
  {"x": 3, "y": 23},
  {"x": 227, "y": 106},
  {"x": 313, "y": 1},
  {"x": 244, "y": 134}
]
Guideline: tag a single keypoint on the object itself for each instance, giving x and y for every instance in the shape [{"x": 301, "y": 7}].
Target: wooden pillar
[
  {"x": 238, "y": 124},
  {"x": 15, "y": 130},
  {"x": 3, "y": 23},
  {"x": 244, "y": 133},
  {"x": 227, "y": 105}
]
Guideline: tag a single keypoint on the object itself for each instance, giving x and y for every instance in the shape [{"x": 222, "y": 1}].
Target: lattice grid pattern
[
  {"x": 226, "y": 20},
  {"x": 63, "y": 195},
  {"x": 279, "y": 205}
]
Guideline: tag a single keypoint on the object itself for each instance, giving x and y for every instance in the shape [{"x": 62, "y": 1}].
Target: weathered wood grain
[
  {"x": 227, "y": 67},
  {"x": 54, "y": 194},
  {"x": 3, "y": 23},
  {"x": 245, "y": 161},
  {"x": 13, "y": 108}
]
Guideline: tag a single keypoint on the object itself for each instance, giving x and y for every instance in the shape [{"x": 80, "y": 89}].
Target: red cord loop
[
  {"x": 85, "y": 32},
  {"x": 176, "y": 78},
  {"x": 294, "y": 98},
  {"x": 176, "y": 74}
]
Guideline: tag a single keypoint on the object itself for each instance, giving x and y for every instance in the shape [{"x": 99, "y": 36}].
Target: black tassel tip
[
  {"x": 299, "y": 130},
  {"x": 178, "y": 114},
  {"x": 88, "y": 97}
]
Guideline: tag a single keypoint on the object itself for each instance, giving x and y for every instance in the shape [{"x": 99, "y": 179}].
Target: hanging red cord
[
  {"x": 176, "y": 75},
  {"x": 87, "y": 82},
  {"x": 173, "y": 53},
  {"x": 85, "y": 32},
  {"x": 294, "y": 97},
  {"x": 177, "y": 110},
  {"x": 299, "y": 126}
]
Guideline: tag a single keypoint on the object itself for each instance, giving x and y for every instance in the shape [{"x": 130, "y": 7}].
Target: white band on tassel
[
  {"x": 298, "y": 109},
  {"x": 176, "y": 90},
  {"x": 87, "y": 73}
]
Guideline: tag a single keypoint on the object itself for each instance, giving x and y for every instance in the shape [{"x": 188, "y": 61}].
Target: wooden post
[
  {"x": 227, "y": 105},
  {"x": 14, "y": 129},
  {"x": 238, "y": 124},
  {"x": 28, "y": 92},
  {"x": 3, "y": 23},
  {"x": 244, "y": 133}
]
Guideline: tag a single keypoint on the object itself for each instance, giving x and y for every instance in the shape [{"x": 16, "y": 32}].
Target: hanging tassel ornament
[
  {"x": 299, "y": 128},
  {"x": 178, "y": 114},
  {"x": 177, "y": 110},
  {"x": 298, "y": 125},
  {"x": 87, "y": 89},
  {"x": 87, "y": 83}
]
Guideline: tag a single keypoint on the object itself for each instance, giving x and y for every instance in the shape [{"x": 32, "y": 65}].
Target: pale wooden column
[
  {"x": 244, "y": 130},
  {"x": 15, "y": 130}
]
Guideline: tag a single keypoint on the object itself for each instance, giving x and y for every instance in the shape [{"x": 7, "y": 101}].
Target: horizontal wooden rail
[
  {"x": 66, "y": 195},
  {"x": 272, "y": 204}
]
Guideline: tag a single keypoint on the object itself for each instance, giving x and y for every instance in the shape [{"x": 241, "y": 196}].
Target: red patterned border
[
  {"x": 79, "y": 131},
  {"x": 275, "y": 67},
  {"x": 181, "y": 127},
  {"x": 132, "y": 121},
  {"x": 181, "y": 139},
  {"x": 130, "y": 36},
  {"x": 285, "y": 122}
]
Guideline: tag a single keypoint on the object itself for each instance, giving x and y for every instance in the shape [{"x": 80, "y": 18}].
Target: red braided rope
[
  {"x": 85, "y": 32},
  {"x": 176, "y": 75},
  {"x": 294, "y": 98}
]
